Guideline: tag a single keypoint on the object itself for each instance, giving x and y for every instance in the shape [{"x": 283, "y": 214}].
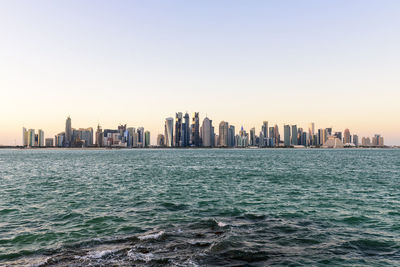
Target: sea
[{"x": 200, "y": 207}]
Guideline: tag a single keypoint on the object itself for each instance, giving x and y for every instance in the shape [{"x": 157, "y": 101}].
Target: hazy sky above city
[{"x": 335, "y": 63}]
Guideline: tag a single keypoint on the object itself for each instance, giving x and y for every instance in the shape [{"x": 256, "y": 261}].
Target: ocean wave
[
  {"x": 138, "y": 256},
  {"x": 99, "y": 254},
  {"x": 152, "y": 236}
]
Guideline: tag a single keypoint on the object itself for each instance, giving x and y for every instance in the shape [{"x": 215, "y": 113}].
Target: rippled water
[{"x": 200, "y": 207}]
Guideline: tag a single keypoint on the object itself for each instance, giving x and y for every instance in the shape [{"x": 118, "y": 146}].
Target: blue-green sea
[{"x": 200, "y": 207}]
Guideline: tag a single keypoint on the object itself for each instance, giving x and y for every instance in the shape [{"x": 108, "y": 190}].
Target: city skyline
[
  {"x": 138, "y": 62},
  {"x": 179, "y": 132}
]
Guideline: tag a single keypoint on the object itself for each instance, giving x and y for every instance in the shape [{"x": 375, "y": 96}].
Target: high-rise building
[
  {"x": 377, "y": 140},
  {"x": 231, "y": 136},
  {"x": 355, "y": 140},
  {"x": 40, "y": 138},
  {"x": 135, "y": 138},
  {"x": 24, "y": 137},
  {"x": 320, "y": 137},
  {"x": 216, "y": 140},
  {"x": 242, "y": 138},
  {"x": 140, "y": 137},
  {"x": 186, "y": 130},
  {"x": 169, "y": 129},
  {"x": 325, "y": 135},
  {"x": 59, "y": 140},
  {"x": 223, "y": 134},
  {"x": 195, "y": 137},
  {"x": 311, "y": 128},
  {"x": 36, "y": 140},
  {"x": 31, "y": 137},
  {"x": 130, "y": 136},
  {"x": 146, "y": 139},
  {"x": 346, "y": 137},
  {"x": 83, "y": 137},
  {"x": 311, "y": 131},
  {"x": 253, "y": 136},
  {"x": 277, "y": 136},
  {"x": 264, "y": 129},
  {"x": 264, "y": 134},
  {"x": 121, "y": 129},
  {"x": 178, "y": 130},
  {"x": 160, "y": 140},
  {"x": 271, "y": 138},
  {"x": 68, "y": 133},
  {"x": 207, "y": 134},
  {"x": 294, "y": 140},
  {"x": 99, "y": 136},
  {"x": 286, "y": 135},
  {"x": 261, "y": 140}
]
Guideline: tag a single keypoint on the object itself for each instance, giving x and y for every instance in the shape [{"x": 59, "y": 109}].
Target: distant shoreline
[{"x": 183, "y": 148}]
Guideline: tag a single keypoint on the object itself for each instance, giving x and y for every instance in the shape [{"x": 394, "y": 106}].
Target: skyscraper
[
  {"x": 24, "y": 137},
  {"x": 99, "y": 136},
  {"x": 68, "y": 133},
  {"x": 195, "y": 137},
  {"x": 271, "y": 139},
  {"x": 231, "y": 136},
  {"x": 146, "y": 139},
  {"x": 178, "y": 130},
  {"x": 169, "y": 129},
  {"x": 140, "y": 138},
  {"x": 355, "y": 140},
  {"x": 295, "y": 141},
  {"x": 311, "y": 132},
  {"x": 277, "y": 136},
  {"x": 131, "y": 136},
  {"x": 160, "y": 140},
  {"x": 59, "y": 139},
  {"x": 242, "y": 138},
  {"x": 223, "y": 134},
  {"x": 286, "y": 133},
  {"x": 264, "y": 130},
  {"x": 186, "y": 130},
  {"x": 40, "y": 138},
  {"x": 31, "y": 137},
  {"x": 207, "y": 133},
  {"x": 253, "y": 136},
  {"x": 346, "y": 136}
]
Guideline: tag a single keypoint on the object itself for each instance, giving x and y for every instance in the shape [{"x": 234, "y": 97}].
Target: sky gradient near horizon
[{"x": 335, "y": 63}]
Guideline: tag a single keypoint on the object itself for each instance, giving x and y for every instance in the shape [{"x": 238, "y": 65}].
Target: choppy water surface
[{"x": 200, "y": 207}]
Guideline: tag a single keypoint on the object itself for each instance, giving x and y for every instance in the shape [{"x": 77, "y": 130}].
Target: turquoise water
[{"x": 200, "y": 207}]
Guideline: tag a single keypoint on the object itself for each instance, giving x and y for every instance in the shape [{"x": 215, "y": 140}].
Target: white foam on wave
[
  {"x": 99, "y": 254},
  {"x": 221, "y": 224},
  {"x": 190, "y": 262},
  {"x": 43, "y": 262},
  {"x": 137, "y": 256},
  {"x": 151, "y": 236}
]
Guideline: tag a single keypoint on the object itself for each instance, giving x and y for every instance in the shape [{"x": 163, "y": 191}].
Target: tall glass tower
[{"x": 68, "y": 132}]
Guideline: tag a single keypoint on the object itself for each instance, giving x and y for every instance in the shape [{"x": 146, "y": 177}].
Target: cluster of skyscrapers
[
  {"x": 84, "y": 137},
  {"x": 183, "y": 132},
  {"x": 178, "y": 133},
  {"x": 32, "y": 139}
]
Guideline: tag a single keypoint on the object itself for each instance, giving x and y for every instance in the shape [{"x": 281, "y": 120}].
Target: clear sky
[{"x": 335, "y": 63}]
